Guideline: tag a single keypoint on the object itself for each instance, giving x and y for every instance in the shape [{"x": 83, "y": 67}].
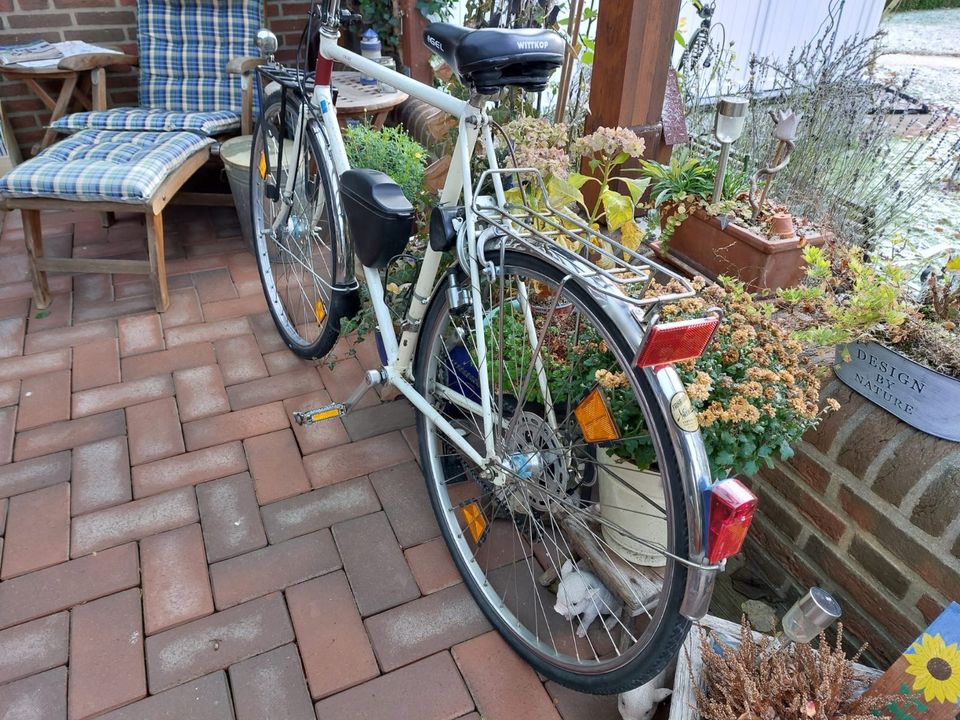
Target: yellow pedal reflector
[
  {"x": 262, "y": 165},
  {"x": 476, "y": 522},
  {"x": 325, "y": 414},
  {"x": 320, "y": 311},
  {"x": 595, "y": 419}
]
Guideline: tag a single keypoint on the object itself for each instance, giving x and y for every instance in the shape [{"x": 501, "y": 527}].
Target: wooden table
[
  {"x": 86, "y": 90},
  {"x": 358, "y": 101}
]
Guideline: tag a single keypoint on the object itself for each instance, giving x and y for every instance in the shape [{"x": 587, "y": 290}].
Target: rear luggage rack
[{"x": 625, "y": 275}]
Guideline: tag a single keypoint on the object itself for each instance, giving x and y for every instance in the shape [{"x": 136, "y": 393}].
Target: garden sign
[
  {"x": 919, "y": 396},
  {"x": 928, "y": 671}
]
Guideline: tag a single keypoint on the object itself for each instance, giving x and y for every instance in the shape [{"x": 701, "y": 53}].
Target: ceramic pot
[{"x": 761, "y": 263}]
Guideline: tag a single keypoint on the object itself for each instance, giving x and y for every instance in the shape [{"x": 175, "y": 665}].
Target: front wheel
[
  {"x": 570, "y": 541},
  {"x": 296, "y": 229}
]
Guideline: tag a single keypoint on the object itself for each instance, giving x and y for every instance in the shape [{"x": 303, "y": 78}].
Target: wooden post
[
  {"x": 632, "y": 61},
  {"x": 413, "y": 53}
]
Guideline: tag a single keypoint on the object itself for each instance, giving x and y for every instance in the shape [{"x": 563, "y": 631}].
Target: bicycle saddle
[{"x": 492, "y": 58}]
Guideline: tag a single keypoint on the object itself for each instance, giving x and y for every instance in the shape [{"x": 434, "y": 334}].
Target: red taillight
[
  {"x": 675, "y": 341},
  {"x": 731, "y": 510}
]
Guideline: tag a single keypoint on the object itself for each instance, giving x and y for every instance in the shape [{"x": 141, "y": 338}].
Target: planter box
[
  {"x": 919, "y": 396},
  {"x": 761, "y": 263},
  {"x": 683, "y": 702}
]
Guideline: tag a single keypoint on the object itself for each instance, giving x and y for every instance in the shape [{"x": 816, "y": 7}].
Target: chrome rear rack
[{"x": 539, "y": 227}]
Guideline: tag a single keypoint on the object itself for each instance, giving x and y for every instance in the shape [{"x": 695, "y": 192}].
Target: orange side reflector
[
  {"x": 595, "y": 419},
  {"x": 262, "y": 165},
  {"x": 476, "y": 522},
  {"x": 676, "y": 341},
  {"x": 319, "y": 311}
]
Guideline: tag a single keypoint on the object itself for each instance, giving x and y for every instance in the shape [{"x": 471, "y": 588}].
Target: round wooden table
[{"x": 358, "y": 101}]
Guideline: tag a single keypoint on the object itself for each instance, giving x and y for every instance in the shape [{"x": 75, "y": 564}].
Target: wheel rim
[
  {"x": 296, "y": 258},
  {"x": 536, "y": 485}
]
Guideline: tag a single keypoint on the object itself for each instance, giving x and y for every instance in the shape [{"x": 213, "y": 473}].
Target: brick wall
[
  {"x": 106, "y": 22},
  {"x": 870, "y": 509}
]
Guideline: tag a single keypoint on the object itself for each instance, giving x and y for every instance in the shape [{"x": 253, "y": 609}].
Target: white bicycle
[{"x": 535, "y": 362}]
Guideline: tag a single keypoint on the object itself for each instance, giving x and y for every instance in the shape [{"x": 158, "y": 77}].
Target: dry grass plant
[{"x": 765, "y": 679}]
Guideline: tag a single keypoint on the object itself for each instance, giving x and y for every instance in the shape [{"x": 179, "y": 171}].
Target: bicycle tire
[
  {"x": 667, "y": 629},
  {"x": 310, "y": 324}
]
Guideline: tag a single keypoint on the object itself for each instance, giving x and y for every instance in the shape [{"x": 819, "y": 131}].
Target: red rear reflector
[
  {"x": 675, "y": 341},
  {"x": 731, "y": 511}
]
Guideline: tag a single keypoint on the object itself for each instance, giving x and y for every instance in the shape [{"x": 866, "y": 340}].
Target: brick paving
[{"x": 172, "y": 547}]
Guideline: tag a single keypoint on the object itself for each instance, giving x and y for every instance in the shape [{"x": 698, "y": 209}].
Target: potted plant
[
  {"x": 763, "y": 250},
  {"x": 896, "y": 344},
  {"x": 726, "y": 671}
]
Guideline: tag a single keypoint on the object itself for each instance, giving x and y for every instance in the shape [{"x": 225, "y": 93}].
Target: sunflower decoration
[{"x": 936, "y": 667}]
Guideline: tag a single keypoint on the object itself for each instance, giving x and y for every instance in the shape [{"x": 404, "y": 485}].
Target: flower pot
[
  {"x": 619, "y": 505},
  {"x": 921, "y": 397},
  {"x": 761, "y": 263}
]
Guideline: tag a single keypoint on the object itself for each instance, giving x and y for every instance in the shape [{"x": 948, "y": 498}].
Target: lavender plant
[{"x": 860, "y": 165}]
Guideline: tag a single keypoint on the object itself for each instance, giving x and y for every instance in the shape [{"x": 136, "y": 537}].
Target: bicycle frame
[{"x": 397, "y": 371}]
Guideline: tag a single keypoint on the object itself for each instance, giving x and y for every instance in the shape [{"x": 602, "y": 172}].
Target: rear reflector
[
  {"x": 675, "y": 341},
  {"x": 731, "y": 510}
]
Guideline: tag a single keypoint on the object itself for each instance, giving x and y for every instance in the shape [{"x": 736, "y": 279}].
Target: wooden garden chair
[{"x": 195, "y": 59}]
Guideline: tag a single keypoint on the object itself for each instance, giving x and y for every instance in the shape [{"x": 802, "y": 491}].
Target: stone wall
[
  {"x": 870, "y": 509},
  {"x": 104, "y": 22}
]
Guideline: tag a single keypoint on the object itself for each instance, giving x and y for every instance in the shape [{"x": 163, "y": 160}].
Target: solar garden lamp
[
  {"x": 814, "y": 612},
  {"x": 727, "y": 128}
]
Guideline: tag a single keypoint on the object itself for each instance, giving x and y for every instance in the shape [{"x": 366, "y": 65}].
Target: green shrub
[{"x": 390, "y": 151}]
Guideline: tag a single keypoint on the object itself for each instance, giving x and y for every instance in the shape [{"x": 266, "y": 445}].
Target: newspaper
[
  {"x": 38, "y": 50},
  {"x": 65, "y": 49}
]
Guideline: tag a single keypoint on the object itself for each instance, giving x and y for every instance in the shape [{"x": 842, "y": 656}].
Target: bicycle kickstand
[{"x": 339, "y": 409}]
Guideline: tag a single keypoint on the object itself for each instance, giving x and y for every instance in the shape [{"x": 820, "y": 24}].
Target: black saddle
[{"x": 492, "y": 58}]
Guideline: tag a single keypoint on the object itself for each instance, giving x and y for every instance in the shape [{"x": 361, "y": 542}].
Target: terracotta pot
[
  {"x": 761, "y": 263},
  {"x": 781, "y": 225}
]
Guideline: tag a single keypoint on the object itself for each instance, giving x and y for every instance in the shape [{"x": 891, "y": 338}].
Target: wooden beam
[
  {"x": 413, "y": 53},
  {"x": 634, "y": 51}
]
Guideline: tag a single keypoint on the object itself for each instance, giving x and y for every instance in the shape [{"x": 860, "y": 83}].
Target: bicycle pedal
[{"x": 309, "y": 417}]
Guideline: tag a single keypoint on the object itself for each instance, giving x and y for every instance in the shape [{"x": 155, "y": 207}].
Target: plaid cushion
[
  {"x": 103, "y": 165},
  {"x": 184, "y": 49},
  {"x": 205, "y": 123}
]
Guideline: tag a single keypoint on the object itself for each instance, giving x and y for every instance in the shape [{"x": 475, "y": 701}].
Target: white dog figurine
[
  {"x": 581, "y": 593},
  {"x": 640, "y": 703}
]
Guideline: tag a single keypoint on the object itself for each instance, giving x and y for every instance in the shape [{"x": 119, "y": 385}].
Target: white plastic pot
[{"x": 622, "y": 507}]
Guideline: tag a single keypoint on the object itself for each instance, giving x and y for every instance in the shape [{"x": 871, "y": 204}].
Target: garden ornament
[
  {"x": 785, "y": 131},
  {"x": 581, "y": 593},
  {"x": 641, "y": 702}
]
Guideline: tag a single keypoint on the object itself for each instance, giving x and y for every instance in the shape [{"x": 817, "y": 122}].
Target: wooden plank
[
  {"x": 31, "y": 203},
  {"x": 92, "y": 265},
  {"x": 98, "y": 88},
  {"x": 629, "y": 582},
  {"x": 175, "y": 181},
  {"x": 158, "y": 268},
  {"x": 34, "y": 240}
]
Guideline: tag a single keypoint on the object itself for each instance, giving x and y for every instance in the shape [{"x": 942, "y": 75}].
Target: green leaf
[
  {"x": 723, "y": 458},
  {"x": 636, "y": 188},
  {"x": 578, "y": 180},
  {"x": 618, "y": 208},
  {"x": 750, "y": 468},
  {"x": 786, "y": 452},
  {"x": 562, "y": 193},
  {"x": 587, "y": 57},
  {"x": 678, "y": 37},
  {"x": 620, "y": 158},
  {"x": 954, "y": 264},
  {"x": 41, "y": 314}
]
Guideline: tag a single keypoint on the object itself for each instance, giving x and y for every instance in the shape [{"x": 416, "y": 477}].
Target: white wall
[{"x": 771, "y": 28}]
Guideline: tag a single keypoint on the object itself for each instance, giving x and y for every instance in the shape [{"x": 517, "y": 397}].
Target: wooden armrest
[
  {"x": 243, "y": 65},
  {"x": 97, "y": 60}
]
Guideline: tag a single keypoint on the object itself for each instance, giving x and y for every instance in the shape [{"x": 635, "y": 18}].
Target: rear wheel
[
  {"x": 295, "y": 230},
  {"x": 557, "y": 504}
]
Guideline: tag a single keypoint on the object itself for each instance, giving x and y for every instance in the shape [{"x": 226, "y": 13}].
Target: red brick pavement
[{"x": 171, "y": 547}]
